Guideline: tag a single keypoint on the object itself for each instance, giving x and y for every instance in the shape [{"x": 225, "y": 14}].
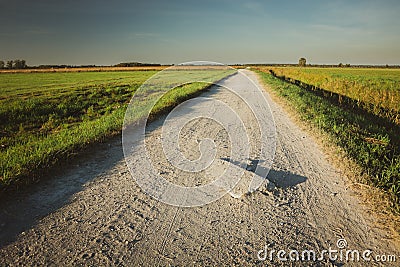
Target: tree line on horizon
[
  {"x": 136, "y": 64},
  {"x": 13, "y": 64},
  {"x": 21, "y": 64}
]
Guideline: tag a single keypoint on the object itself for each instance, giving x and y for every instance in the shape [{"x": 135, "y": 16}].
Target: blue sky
[{"x": 109, "y": 32}]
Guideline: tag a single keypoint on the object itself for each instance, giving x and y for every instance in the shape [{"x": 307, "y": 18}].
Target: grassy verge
[
  {"x": 374, "y": 147},
  {"x": 376, "y": 87},
  {"x": 48, "y": 117}
]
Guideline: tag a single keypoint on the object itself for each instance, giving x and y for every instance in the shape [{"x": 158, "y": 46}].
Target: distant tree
[
  {"x": 9, "y": 64},
  {"x": 135, "y": 64},
  {"x": 2, "y": 64},
  {"x": 348, "y": 65},
  {"x": 340, "y": 65},
  {"x": 19, "y": 64},
  {"x": 302, "y": 62},
  {"x": 16, "y": 64},
  {"x": 23, "y": 62}
]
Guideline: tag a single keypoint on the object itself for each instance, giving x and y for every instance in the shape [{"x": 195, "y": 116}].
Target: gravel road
[{"x": 92, "y": 212}]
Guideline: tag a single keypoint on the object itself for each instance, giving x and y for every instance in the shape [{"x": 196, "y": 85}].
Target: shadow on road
[
  {"x": 282, "y": 179},
  {"x": 21, "y": 210}
]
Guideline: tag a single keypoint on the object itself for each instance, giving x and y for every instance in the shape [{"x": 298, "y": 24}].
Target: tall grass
[
  {"x": 372, "y": 146},
  {"x": 379, "y": 87}
]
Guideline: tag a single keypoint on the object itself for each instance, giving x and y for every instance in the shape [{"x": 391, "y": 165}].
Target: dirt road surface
[{"x": 92, "y": 212}]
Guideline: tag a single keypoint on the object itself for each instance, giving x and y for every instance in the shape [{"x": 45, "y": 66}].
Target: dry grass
[
  {"x": 379, "y": 87},
  {"x": 101, "y": 69},
  {"x": 94, "y": 69}
]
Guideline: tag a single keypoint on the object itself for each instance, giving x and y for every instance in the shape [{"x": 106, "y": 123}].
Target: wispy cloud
[
  {"x": 24, "y": 32},
  {"x": 253, "y": 6},
  {"x": 37, "y": 31},
  {"x": 325, "y": 27},
  {"x": 146, "y": 35},
  {"x": 337, "y": 29}
]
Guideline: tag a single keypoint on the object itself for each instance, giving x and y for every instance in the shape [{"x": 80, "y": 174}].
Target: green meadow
[{"x": 47, "y": 117}]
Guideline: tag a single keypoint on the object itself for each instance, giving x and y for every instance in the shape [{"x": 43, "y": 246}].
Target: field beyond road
[
  {"x": 83, "y": 69},
  {"x": 46, "y": 117},
  {"x": 378, "y": 88}
]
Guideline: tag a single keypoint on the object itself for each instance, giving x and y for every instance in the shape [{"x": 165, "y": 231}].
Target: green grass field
[
  {"x": 372, "y": 143},
  {"x": 46, "y": 117}
]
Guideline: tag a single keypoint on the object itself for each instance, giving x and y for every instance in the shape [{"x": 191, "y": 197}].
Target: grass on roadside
[
  {"x": 372, "y": 146},
  {"x": 47, "y": 117}
]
